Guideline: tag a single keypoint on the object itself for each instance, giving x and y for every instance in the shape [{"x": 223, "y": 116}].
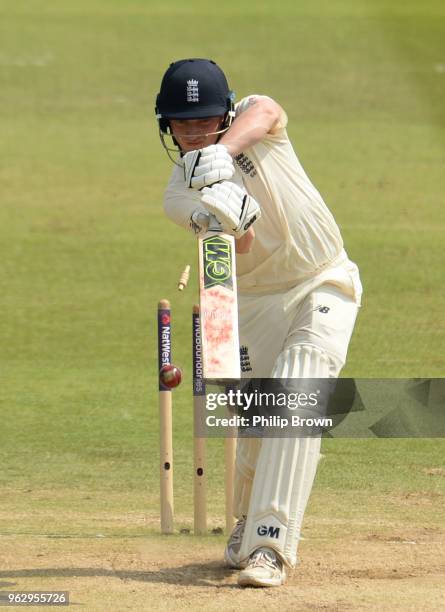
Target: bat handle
[{"x": 214, "y": 224}]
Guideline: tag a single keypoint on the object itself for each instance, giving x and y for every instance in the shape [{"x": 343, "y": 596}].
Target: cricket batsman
[{"x": 298, "y": 293}]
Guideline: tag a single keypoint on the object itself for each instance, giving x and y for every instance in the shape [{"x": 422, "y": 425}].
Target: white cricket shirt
[{"x": 296, "y": 237}]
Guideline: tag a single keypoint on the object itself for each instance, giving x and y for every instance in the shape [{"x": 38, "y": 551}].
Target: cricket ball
[{"x": 170, "y": 376}]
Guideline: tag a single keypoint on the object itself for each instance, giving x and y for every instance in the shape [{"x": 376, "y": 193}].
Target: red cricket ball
[{"x": 170, "y": 376}]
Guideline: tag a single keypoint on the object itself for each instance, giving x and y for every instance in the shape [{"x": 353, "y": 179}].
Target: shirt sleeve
[
  {"x": 180, "y": 202},
  {"x": 244, "y": 104}
]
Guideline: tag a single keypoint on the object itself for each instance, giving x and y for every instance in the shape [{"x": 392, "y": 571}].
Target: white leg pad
[
  {"x": 247, "y": 452},
  {"x": 285, "y": 470}
]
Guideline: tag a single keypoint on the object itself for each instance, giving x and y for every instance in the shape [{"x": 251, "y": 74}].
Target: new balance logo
[
  {"x": 271, "y": 532},
  {"x": 322, "y": 309},
  {"x": 192, "y": 91}
]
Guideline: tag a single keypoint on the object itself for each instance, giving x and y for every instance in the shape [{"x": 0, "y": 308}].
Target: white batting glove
[
  {"x": 207, "y": 166},
  {"x": 235, "y": 209},
  {"x": 199, "y": 221}
]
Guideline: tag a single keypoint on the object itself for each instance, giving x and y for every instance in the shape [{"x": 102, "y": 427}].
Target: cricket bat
[{"x": 218, "y": 303}]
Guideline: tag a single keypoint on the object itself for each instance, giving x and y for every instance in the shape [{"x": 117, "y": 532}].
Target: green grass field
[{"x": 86, "y": 253}]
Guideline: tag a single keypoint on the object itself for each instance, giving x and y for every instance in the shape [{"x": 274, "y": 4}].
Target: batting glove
[
  {"x": 235, "y": 209},
  {"x": 207, "y": 166},
  {"x": 199, "y": 221}
]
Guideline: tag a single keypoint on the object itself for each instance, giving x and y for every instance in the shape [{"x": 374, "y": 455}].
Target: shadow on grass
[{"x": 194, "y": 574}]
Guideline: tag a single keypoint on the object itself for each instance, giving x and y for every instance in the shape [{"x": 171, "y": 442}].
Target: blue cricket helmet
[{"x": 193, "y": 89}]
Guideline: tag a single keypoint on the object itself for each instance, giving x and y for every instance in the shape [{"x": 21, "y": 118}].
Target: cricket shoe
[
  {"x": 231, "y": 553},
  {"x": 264, "y": 569}
]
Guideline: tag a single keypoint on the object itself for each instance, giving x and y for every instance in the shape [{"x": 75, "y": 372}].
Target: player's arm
[
  {"x": 244, "y": 244},
  {"x": 185, "y": 208},
  {"x": 256, "y": 117}
]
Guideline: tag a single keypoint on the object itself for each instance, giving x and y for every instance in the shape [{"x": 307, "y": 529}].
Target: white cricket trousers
[{"x": 293, "y": 334}]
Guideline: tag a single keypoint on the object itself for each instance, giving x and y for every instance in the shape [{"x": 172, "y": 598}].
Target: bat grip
[{"x": 214, "y": 224}]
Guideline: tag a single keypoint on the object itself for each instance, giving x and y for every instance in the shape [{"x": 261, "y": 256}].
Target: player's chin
[{"x": 192, "y": 146}]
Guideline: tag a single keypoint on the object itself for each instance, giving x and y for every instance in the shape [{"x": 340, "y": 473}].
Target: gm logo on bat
[{"x": 217, "y": 255}]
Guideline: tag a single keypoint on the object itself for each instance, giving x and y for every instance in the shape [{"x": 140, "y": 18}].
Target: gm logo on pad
[{"x": 269, "y": 531}]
